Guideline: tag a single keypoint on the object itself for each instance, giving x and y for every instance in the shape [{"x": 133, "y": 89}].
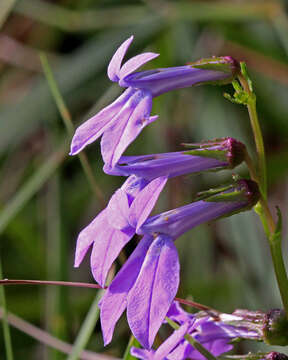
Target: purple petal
[
  {"x": 173, "y": 340},
  {"x": 87, "y": 236},
  {"x": 142, "y": 354},
  {"x": 115, "y": 63},
  {"x": 159, "y": 81},
  {"x": 216, "y": 347},
  {"x": 118, "y": 210},
  {"x": 93, "y": 128},
  {"x": 176, "y": 313},
  {"x": 134, "y": 63},
  {"x": 135, "y": 117},
  {"x": 144, "y": 202},
  {"x": 154, "y": 290},
  {"x": 114, "y": 301},
  {"x": 107, "y": 245},
  {"x": 132, "y": 186}
]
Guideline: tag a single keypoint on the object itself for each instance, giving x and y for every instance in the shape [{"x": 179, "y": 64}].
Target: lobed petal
[
  {"x": 144, "y": 202},
  {"x": 119, "y": 136},
  {"x": 87, "y": 236},
  {"x": 116, "y": 61},
  {"x": 154, "y": 290},
  {"x": 173, "y": 340},
  {"x": 108, "y": 243},
  {"x": 93, "y": 128},
  {"x": 134, "y": 63},
  {"x": 118, "y": 210},
  {"x": 114, "y": 301}
]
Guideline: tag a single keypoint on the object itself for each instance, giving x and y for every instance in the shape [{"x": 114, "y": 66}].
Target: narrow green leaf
[
  {"x": 6, "y": 329},
  {"x": 87, "y": 328},
  {"x": 133, "y": 342},
  {"x": 32, "y": 185}
]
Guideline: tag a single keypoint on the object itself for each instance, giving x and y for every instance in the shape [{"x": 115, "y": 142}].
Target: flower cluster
[
  {"x": 147, "y": 283},
  {"x": 213, "y": 334}
]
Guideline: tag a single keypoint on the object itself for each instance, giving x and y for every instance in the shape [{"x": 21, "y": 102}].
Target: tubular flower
[
  {"x": 213, "y": 334},
  {"x": 214, "y": 155},
  {"x": 122, "y": 121},
  {"x": 148, "y": 281}
]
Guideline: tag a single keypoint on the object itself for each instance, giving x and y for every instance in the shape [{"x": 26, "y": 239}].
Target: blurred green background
[{"x": 45, "y": 198}]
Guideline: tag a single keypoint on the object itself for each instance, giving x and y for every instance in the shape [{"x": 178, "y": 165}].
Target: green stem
[
  {"x": 262, "y": 208},
  {"x": 251, "y": 106},
  {"x": 6, "y": 329},
  {"x": 280, "y": 270},
  {"x": 196, "y": 344}
]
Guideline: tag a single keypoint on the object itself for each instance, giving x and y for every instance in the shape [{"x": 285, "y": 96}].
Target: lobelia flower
[
  {"x": 213, "y": 334},
  {"x": 213, "y": 155},
  {"x": 122, "y": 121},
  {"x": 148, "y": 282},
  {"x": 111, "y": 230}
]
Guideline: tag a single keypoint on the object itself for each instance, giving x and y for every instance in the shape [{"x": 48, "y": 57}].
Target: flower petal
[
  {"x": 93, "y": 128},
  {"x": 114, "y": 301},
  {"x": 107, "y": 245},
  {"x": 115, "y": 63},
  {"x": 134, "y": 63},
  {"x": 118, "y": 210},
  {"x": 173, "y": 340},
  {"x": 154, "y": 290},
  {"x": 144, "y": 202},
  {"x": 87, "y": 236},
  {"x": 119, "y": 136}
]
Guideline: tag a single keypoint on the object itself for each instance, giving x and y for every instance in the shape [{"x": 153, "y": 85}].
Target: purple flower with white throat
[
  {"x": 148, "y": 281},
  {"x": 122, "y": 121}
]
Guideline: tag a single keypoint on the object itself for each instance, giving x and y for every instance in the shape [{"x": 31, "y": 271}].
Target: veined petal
[
  {"x": 87, "y": 236},
  {"x": 134, "y": 63},
  {"x": 144, "y": 202},
  {"x": 114, "y": 301},
  {"x": 108, "y": 243},
  {"x": 116, "y": 61},
  {"x": 93, "y": 128},
  {"x": 154, "y": 290},
  {"x": 118, "y": 210},
  {"x": 119, "y": 136}
]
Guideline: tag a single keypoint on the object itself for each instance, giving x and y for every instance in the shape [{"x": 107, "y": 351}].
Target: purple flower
[
  {"x": 130, "y": 206},
  {"x": 122, "y": 121},
  {"x": 214, "y": 155},
  {"x": 213, "y": 334},
  {"x": 114, "y": 227},
  {"x": 225, "y": 202},
  {"x": 148, "y": 281}
]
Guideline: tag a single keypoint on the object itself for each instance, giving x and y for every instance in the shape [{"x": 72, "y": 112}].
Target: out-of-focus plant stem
[
  {"x": 49, "y": 340},
  {"x": 5, "y": 9},
  {"x": 32, "y": 185},
  {"x": 67, "y": 119},
  {"x": 87, "y": 328},
  {"x": 6, "y": 330}
]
